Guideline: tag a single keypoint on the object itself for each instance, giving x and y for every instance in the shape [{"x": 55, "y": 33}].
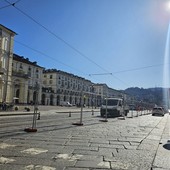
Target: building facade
[
  {"x": 26, "y": 80},
  {"x": 6, "y": 57},
  {"x": 59, "y": 86}
]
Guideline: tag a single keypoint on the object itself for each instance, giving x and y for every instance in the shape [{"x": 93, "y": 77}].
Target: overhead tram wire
[
  {"x": 52, "y": 33},
  {"x": 139, "y": 68},
  {"x": 45, "y": 55},
  {"x": 5, "y": 7},
  {"x": 10, "y": 4},
  {"x": 61, "y": 39}
]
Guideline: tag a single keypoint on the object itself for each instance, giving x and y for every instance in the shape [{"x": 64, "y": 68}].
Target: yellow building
[
  {"x": 6, "y": 57},
  {"x": 26, "y": 80}
]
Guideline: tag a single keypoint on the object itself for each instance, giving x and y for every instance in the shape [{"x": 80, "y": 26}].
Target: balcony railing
[{"x": 21, "y": 74}]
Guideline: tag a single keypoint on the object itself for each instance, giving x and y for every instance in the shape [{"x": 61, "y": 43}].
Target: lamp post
[
  {"x": 106, "y": 99},
  {"x": 123, "y": 102},
  {"x": 106, "y": 112},
  {"x": 92, "y": 99},
  {"x": 33, "y": 129},
  {"x": 81, "y": 112}
]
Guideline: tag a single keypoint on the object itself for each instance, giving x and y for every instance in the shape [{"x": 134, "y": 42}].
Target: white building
[
  {"x": 6, "y": 56},
  {"x": 59, "y": 86}
]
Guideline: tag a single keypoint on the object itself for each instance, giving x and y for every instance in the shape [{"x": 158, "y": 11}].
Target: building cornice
[
  {"x": 25, "y": 60},
  {"x": 7, "y": 30}
]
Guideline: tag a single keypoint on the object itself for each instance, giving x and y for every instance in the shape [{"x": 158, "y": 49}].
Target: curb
[{"x": 15, "y": 114}]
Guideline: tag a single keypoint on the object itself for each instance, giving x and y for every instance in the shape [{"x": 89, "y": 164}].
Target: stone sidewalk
[
  {"x": 139, "y": 143},
  {"x": 162, "y": 158}
]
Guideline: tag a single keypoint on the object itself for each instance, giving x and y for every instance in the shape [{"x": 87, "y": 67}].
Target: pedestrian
[{"x": 4, "y": 105}]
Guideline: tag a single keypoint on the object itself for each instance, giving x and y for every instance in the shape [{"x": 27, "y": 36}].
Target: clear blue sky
[{"x": 124, "y": 37}]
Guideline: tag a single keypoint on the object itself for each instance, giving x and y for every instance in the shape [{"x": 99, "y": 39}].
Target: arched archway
[
  {"x": 84, "y": 101},
  {"x": 51, "y": 99},
  {"x": 28, "y": 97},
  {"x": 70, "y": 99},
  {"x": 17, "y": 95},
  {"x": 43, "y": 99},
  {"x": 58, "y": 100},
  {"x": 34, "y": 96},
  {"x": 64, "y": 98},
  {"x": 75, "y": 100}
]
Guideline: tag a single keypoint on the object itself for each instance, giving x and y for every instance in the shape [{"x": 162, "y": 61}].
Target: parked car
[
  {"x": 66, "y": 104},
  {"x": 158, "y": 111}
]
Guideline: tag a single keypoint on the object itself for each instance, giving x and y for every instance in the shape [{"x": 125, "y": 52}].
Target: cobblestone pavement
[{"x": 139, "y": 143}]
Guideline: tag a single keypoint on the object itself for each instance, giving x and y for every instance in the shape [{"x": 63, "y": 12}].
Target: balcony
[{"x": 20, "y": 74}]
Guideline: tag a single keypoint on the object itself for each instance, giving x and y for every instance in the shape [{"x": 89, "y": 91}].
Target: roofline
[
  {"x": 9, "y": 30},
  {"x": 25, "y": 60}
]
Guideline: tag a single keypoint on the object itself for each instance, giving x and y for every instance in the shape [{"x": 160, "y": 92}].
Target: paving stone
[
  {"x": 107, "y": 151},
  {"x": 114, "y": 146},
  {"x": 147, "y": 146},
  {"x": 93, "y": 164},
  {"x": 118, "y": 144},
  {"x": 74, "y": 168},
  {"x": 99, "y": 141},
  {"x": 72, "y": 143},
  {"x": 137, "y": 158}
]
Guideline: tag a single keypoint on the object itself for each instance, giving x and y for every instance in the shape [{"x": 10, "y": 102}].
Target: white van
[
  {"x": 64, "y": 103},
  {"x": 114, "y": 107}
]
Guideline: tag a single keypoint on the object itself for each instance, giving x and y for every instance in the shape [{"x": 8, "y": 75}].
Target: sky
[{"x": 117, "y": 42}]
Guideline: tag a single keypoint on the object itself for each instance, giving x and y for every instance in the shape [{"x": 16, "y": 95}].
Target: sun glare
[{"x": 168, "y": 6}]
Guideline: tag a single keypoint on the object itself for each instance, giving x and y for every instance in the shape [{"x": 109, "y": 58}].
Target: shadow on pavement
[{"x": 167, "y": 145}]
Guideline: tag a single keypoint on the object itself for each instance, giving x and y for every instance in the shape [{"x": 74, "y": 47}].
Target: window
[
  {"x": 6, "y": 44},
  {"x": 29, "y": 74},
  {"x": 20, "y": 66},
  {"x": 51, "y": 76}
]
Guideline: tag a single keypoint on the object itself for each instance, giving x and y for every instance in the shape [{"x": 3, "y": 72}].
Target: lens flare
[{"x": 167, "y": 6}]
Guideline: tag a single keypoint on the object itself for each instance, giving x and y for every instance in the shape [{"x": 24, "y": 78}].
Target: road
[{"x": 131, "y": 143}]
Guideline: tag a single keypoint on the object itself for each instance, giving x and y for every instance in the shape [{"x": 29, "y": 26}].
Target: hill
[{"x": 150, "y": 95}]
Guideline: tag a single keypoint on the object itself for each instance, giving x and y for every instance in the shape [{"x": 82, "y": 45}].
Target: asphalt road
[{"x": 138, "y": 143}]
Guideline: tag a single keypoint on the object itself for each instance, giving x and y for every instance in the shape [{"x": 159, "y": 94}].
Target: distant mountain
[{"x": 151, "y": 95}]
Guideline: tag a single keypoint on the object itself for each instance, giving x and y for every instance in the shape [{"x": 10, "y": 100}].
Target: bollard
[
  {"x": 38, "y": 118},
  {"x": 132, "y": 113},
  {"x": 92, "y": 112},
  {"x": 70, "y": 114}
]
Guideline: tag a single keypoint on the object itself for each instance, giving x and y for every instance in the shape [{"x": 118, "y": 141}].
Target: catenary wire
[
  {"x": 45, "y": 55},
  {"x": 10, "y": 4},
  {"x": 56, "y": 36},
  {"x": 65, "y": 42},
  {"x": 4, "y": 7}
]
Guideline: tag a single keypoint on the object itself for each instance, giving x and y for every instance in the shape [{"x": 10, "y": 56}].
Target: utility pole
[{"x": 33, "y": 129}]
